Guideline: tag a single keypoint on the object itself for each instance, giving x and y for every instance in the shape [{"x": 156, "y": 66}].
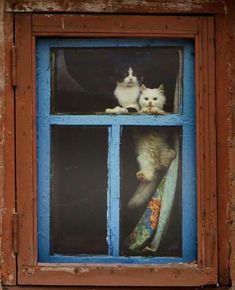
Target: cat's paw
[
  {"x": 117, "y": 110},
  {"x": 123, "y": 111},
  {"x": 145, "y": 110},
  {"x": 109, "y": 111},
  {"x": 142, "y": 177},
  {"x": 157, "y": 111}
]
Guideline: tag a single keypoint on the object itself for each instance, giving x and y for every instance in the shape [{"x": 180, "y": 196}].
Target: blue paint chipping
[{"x": 45, "y": 121}]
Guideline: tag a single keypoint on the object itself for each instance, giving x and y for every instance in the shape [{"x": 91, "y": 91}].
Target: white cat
[
  {"x": 153, "y": 154},
  {"x": 151, "y": 101},
  {"x": 127, "y": 93}
]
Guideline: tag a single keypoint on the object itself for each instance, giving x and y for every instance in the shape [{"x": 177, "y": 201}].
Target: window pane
[
  {"x": 151, "y": 195},
  {"x": 79, "y": 190},
  {"x": 84, "y": 80}
]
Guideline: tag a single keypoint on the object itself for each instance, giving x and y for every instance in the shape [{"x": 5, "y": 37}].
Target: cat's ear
[
  {"x": 161, "y": 88},
  {"x": 142, "y": 88}
]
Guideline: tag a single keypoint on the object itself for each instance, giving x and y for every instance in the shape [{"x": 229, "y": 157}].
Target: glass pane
[
  {"x": 151, "y": 192},
  {"x": 92, "y": 80},
  {"x": 79, "y": 190}
]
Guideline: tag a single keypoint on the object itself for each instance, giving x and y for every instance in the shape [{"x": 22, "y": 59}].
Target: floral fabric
[{"x": 147, "y": 225}]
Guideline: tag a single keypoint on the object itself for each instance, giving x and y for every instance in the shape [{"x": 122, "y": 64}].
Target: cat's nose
[{"x": 150, "y": 103}]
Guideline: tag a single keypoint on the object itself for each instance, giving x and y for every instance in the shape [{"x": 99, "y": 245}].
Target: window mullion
[
  {"x": 44, "y": 172},
  {"x": 113, "y": 213},
  {"x": 189, "y": 231}
]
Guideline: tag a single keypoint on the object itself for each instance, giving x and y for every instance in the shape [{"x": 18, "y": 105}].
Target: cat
[
  {"x": 154, "y": 154},
  {"x": 127, "y": 93},
  {"x": 151, "y": 101}
]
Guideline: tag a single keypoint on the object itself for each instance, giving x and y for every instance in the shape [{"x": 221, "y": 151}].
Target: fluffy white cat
[
  {"x": 153, "y": 154},
  {"x": 127, "y": 93},
  {"x": 151, "y": 101}
]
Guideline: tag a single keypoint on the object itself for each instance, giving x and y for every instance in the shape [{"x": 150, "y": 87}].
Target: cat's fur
[
  {"x": 151, "y": 101},
  {"x": 127, "y": 93},
  {"x": 153, "y": 155}
]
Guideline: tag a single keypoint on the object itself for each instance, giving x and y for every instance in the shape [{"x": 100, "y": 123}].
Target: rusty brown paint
[
  {"x": 100, "y": 275},
  {"x": 206, "y": 154},
  {"x": 225, "y": 87},
  {"x": 230, "y": 90},
  {"x": 2, "y": 94},
  {"x": 108, "y": 25},
  {"x": 106, "y": 288},
  {"x": 25, "y": 128},
  {"x": 116, "y": 6},
  {"x": 7, "y": 185},
  {"x": 225, "y": 140}
]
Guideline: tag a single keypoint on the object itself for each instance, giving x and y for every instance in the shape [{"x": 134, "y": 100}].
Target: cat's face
[
  {"x": 131, "y": 79},
  {"x": 152, "y": 97}
]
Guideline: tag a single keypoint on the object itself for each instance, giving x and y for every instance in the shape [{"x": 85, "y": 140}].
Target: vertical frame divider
[
  {"x": 113, "y": 216},
  {"x": 43, "y": 150},
  {"x": 189, "y": 199}
]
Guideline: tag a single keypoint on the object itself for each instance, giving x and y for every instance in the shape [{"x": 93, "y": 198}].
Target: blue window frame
[{"x": 47, "y": 120}]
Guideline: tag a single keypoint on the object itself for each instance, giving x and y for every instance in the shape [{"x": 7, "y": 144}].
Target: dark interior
[
  {"x": 79, "y": 190},
  {"x": 84, "y": 79}
]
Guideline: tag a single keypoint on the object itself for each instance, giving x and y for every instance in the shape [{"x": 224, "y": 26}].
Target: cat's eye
[
  {"x": 154, "y": 99},
  {"x": 146, "y": 99}
]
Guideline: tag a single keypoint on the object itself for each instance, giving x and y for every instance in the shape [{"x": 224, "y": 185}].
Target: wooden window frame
[{"x": 201, "y": 29}]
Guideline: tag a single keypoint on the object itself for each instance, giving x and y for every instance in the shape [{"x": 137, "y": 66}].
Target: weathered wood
[
  {"x": 225, "y": 98},
  {"x": 2, "y": 98},
  {"x": 224, "y": 95},
  {"x": 206, "y": 149},
  {"x": 107, "y": 288},
  {"x": 25, "y": 134},
  {"x": 120, "y": 24},
  {"x": 7, "y": 167},
  {"x": 116, "y": 275},
  {"x": 230, "y": 91},
  {"x": 116, "y": 6}
]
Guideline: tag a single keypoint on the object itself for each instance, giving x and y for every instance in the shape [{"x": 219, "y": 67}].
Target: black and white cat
[{"x": 127, "y": 94}]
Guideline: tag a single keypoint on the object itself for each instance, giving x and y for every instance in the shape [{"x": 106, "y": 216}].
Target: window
[
  {"x": 90, "y": 149},
  {"x": 87, "y": 163}
]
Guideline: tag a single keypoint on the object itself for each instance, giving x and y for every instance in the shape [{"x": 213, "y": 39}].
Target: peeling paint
[
  {"x": 62, "y": 19},
  {"x": 69, "y": 269},
  {"x": 110, "y": 6},
  {"x": 2, "y": 105},
  {"x": 29, "y": 271},
  {"x": 84, "y": 270},
  {"x": 10, "y": 278}
]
